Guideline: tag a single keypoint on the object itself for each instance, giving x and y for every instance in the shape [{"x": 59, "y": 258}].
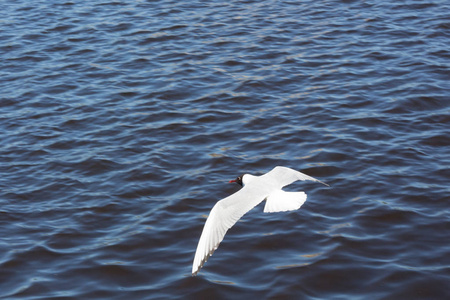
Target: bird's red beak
[{"x": 234, "y": 180}]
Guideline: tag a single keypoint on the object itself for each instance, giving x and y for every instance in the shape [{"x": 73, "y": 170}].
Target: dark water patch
[{"x": 437, "y": 140}]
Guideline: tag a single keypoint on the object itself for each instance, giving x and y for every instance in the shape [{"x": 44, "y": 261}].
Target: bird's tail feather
[{"x": 284, "y": 201}]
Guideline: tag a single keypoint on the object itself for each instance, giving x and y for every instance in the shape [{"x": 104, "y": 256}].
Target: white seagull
[{"x": 255, "y": 189}]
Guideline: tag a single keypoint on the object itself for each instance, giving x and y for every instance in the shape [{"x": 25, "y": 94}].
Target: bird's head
[{"x": 238, "y": 180}]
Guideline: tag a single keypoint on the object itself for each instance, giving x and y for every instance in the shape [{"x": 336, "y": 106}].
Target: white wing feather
[
  {"x": 222, "y": 217},
  {"x": 283, "y": 176}
]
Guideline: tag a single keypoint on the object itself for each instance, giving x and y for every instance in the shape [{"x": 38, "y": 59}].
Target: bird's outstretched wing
[
  {"x": 222, "y": 217},
  {"x": 283, "y": 176}
]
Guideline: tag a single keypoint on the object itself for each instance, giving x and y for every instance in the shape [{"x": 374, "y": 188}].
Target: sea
[{"x": 122, "y": 122}]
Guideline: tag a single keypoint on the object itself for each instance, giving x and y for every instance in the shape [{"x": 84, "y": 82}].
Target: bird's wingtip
[
  {"x": 195, "y": 270},
  {"x": 325, "y": 183}
]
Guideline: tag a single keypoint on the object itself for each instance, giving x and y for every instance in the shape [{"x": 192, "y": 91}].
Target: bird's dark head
[{"x": 238, "y": 180}]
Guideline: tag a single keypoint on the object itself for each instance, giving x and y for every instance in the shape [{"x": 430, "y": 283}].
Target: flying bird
[{"x": 229, "y": 210}]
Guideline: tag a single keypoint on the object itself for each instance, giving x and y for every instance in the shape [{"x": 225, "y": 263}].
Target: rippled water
[{"x": 122, "y": 122}]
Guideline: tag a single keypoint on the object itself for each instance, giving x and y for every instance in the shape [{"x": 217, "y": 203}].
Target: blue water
[{"x": 121, "y": 124}]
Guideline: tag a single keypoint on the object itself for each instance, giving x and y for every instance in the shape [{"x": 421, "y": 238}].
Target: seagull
[{"x": 255, "y": 189}]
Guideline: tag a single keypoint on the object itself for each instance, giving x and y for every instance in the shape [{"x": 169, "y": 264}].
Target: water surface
[{"x": 122, "y": 122}]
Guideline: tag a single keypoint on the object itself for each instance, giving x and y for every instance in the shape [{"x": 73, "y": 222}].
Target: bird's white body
[{"x": 255, "y": 189}]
